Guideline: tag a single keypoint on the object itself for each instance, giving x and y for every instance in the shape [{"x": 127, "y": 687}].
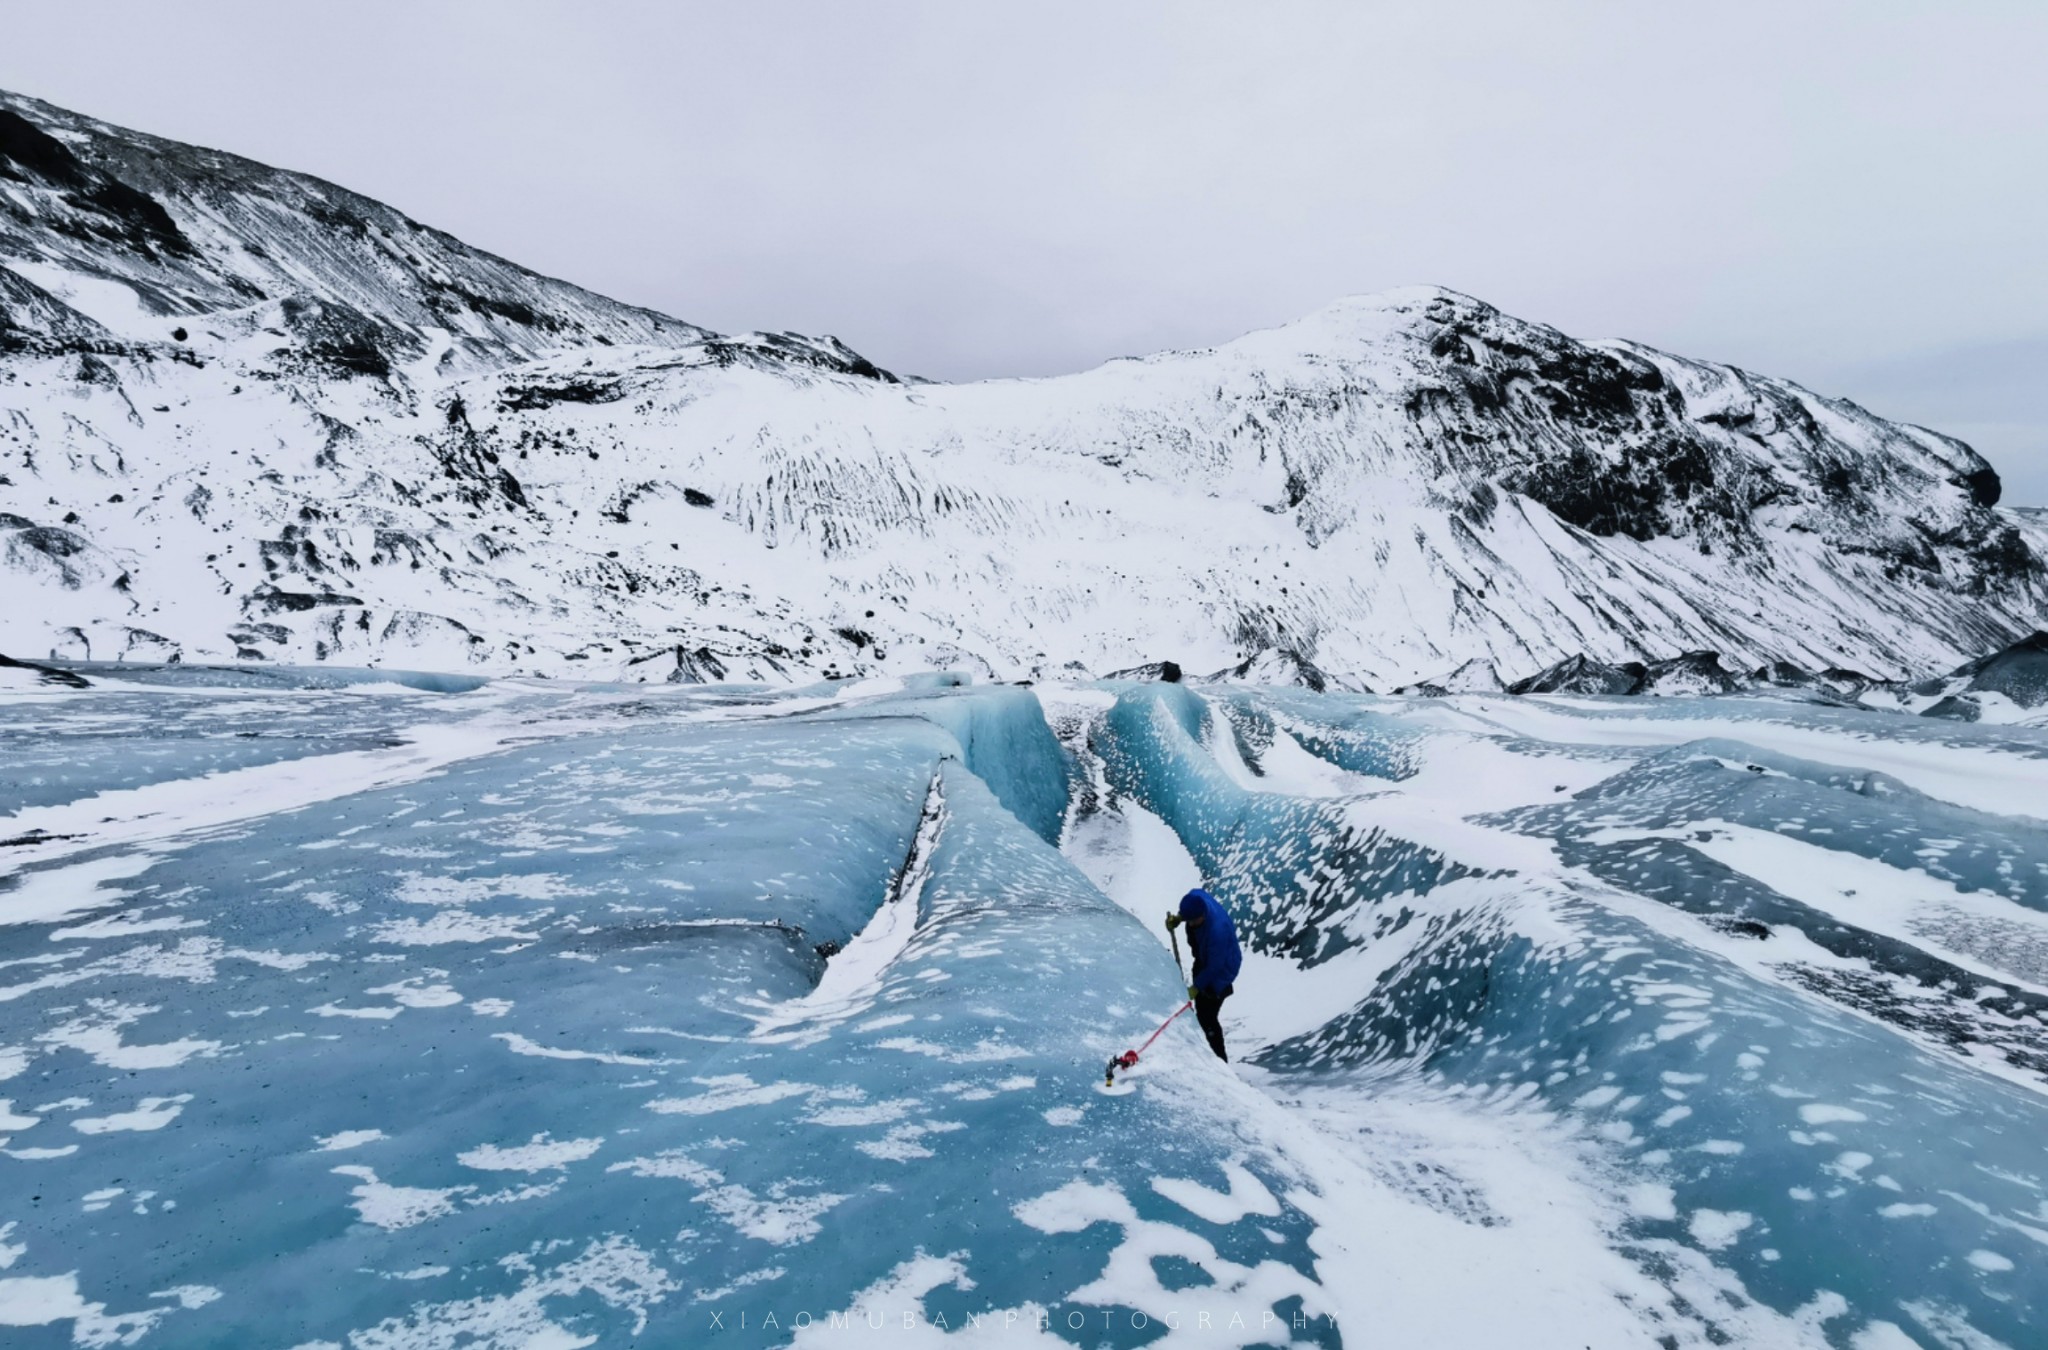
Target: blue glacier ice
[
  {"x": 515, "y": 1014},
  {"x": 540, "y": 1041},
  {"x": 1834, "y": 1166}
]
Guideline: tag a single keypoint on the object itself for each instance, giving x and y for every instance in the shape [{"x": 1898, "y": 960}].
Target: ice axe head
[{"x": 1123, "y": 1061}]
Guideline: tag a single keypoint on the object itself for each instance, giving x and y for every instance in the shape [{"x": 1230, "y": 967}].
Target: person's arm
[{"x": 1195, "y": 945}]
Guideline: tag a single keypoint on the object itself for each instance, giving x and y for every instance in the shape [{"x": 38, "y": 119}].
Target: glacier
[{"x": 343, "y": 1010}]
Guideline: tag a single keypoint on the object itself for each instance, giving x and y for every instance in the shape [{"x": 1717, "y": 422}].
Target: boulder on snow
[
  {"x": 2017, "y": 674},
  {"x": 2020, "y": 672},
  {"x": 1583, "y": 675},
  {"x": 1955, "y": 708}
]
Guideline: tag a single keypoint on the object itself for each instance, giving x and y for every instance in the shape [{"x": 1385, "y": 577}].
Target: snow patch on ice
[
  {"x": 38, "y": 1301},
  {"x": 782, "y": 1218},
  {"x": 457, "y": 925},
  {"x": 728, "y": 1092},
  {"x": 1247, "y": 1195},
  {"x": 347, "y": 1139},
  {"x": 891, "y": 1312},
  {"x": 1715, "y": 1229},
  {"x": 152, "y": 1114},
  {"x": 520, "y": 1045},
  {"x": 1820, "y": 1113},
  {"x": 539, "y": 1154},
  {"x": 613, "y": 1269},
  {"x": 394, "y": 1207},
  {"x": 53, "y": 894}
]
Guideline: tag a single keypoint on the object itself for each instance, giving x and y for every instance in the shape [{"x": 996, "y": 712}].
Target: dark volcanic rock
[
  {"x": 1583, "y": 675},
  {"x": 1955, "y": 708},
  {"x": 545, "y": 394},
  {"x": 2020, "y": 672},
  {"x": 48, "y": 674},
  {"x": 271, "y": 600},
  {"x": 340, "y": 340},
  {"x": 1785, "y": 675},
  {"x": 1691, "y": 673},
  {"x": 33, "y": 320},
  {"x": 196, "y": 231},
  {"x": 783, "y": 350},
  {"x": 1167, "y": 672},
  {"x": 1849, "y": 683},
  {"x": 1618, "y": 439},
  {"x": 1274, "y": 667},
  {"x": 101, "y": 208},
  {"x": 1476, "y": 676}
]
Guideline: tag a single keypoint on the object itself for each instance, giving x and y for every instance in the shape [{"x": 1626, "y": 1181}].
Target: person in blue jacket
[{"x": 1213, "y": 940}]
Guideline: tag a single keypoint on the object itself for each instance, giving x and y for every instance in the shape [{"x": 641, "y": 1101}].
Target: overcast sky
[{"x": 1853, "y": 195}]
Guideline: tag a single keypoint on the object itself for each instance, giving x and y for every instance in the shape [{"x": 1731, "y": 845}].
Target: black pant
[{"x": 1207, "y": 1005}]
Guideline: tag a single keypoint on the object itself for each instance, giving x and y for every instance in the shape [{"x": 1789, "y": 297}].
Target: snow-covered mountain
[{"x": 246, "y": 414}]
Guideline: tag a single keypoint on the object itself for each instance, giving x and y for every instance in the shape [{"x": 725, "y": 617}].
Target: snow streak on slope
[{"x": 247, "y": 414}]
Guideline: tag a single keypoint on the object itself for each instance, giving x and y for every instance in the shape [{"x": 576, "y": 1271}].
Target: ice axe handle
[{"x": 1175, "y": 938}]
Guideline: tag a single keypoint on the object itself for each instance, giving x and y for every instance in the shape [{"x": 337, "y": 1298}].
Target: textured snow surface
[
  {"x": 246, "y": 415},
  {"x": 545, "y": 1014}
]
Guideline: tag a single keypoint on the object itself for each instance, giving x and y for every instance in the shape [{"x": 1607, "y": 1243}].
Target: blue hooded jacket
[{"x": 1213, "y": 940}]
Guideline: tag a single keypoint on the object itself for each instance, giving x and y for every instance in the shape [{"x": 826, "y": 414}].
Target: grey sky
[{"x": 1853, "y": 195}]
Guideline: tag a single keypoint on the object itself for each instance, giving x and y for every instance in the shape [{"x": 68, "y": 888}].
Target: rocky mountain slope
[{"x": 245, "y": 414}]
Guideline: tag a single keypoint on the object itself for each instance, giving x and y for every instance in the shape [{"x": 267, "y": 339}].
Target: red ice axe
[{"x": 1129, "y": 1058}]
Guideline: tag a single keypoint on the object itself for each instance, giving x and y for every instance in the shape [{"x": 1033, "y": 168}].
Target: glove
[
  {"x": 1172, "y": 921},
  {"x": 1191, "y": 993}
]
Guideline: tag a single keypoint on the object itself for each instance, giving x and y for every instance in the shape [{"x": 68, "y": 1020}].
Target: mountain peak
[
  {"x": 256, "y": 416},
  {"x": 159, "y": 229}
]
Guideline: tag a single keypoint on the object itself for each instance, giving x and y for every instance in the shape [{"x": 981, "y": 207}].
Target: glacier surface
[{"x": 379, "y": 1014}]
